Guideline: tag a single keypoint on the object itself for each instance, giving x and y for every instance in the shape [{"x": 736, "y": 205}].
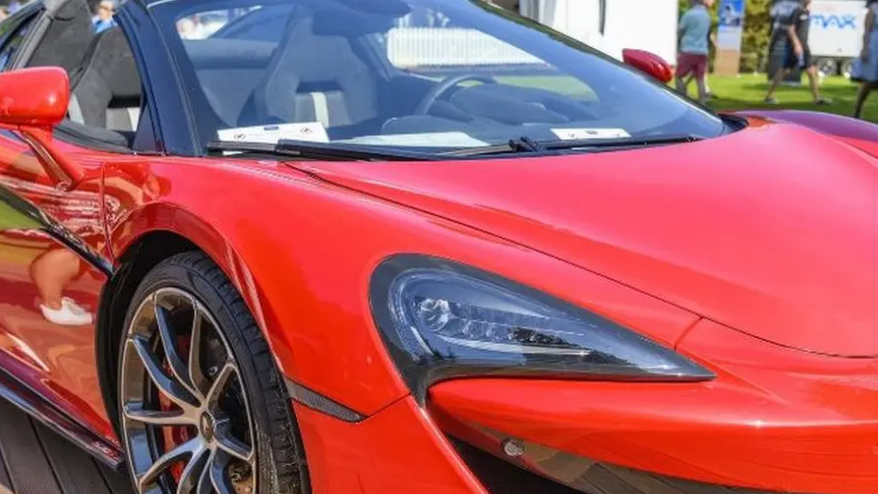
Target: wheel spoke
[
  {"x": 218, "y": 475},
  {"x": 166, "y": 385},
  {"x": 230, "y": 444},
  {"x": 175, "y": 361},
  {"x": 219, "y": 384},
  {"x": 189, "y": 396},
  {"x": 187, "y": 449},
  {"x": 199, "y": 382},
  {"x": 204, "y": 484},
  {"x": 194, "y": 470},
  {"x": 136, "y": 412}
]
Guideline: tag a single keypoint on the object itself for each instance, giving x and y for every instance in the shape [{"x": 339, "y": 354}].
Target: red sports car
[{"x": 424, "y": 246}]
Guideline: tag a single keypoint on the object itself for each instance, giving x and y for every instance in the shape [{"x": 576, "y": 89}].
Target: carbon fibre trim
[{"x": 316, "y": 401}]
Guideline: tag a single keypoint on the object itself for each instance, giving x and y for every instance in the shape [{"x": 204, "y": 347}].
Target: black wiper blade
[
  {"x": 527, "y": 145},
  {"x": 521, "y": 145},
  {"x": 318, "y": 151}
]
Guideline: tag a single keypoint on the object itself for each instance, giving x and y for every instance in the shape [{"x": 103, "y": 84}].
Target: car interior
[
  {"x": 322, "y": 67},
  {"x": 105, "y": 87}
]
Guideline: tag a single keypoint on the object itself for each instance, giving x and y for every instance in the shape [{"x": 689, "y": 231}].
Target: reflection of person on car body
[
  {"x": 52, "y": 272},
  {"x": 55, "y": 269}
]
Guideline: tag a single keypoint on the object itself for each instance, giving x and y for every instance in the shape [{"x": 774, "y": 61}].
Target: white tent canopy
[{"x": 643, "y": 24}]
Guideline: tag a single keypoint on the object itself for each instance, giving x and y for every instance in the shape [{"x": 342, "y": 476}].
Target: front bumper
[{"x": 774, "y": 421}]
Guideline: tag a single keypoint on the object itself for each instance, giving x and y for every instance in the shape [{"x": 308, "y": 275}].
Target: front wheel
[{"x": 202, "y": 405}]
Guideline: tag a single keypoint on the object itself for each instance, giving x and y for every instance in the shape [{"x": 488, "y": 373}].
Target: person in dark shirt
[{"x": 792, "y": 24}]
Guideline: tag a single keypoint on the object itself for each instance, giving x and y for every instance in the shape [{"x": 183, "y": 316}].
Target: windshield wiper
[
  {"x": 527, "y": 145},
  {"x": 318, "y": 151}
]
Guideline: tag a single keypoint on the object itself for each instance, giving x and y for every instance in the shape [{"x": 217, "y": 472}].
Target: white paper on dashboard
[
  {"x": 428, "y": 140},
  {"x": 581, "y": 134},
  {"x": 271, "y": 134}
]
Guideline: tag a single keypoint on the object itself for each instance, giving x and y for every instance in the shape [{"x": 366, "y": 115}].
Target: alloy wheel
[{"x": 185, "y": 418}]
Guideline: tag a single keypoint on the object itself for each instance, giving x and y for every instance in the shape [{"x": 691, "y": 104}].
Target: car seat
[
  {"x": 313, "y": 78},
  {"x": 106, "y": 89}
]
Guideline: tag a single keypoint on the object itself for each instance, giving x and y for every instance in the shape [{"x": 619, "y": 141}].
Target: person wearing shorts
[
  {"x": 694, "y": 50},
  {"x": 792, "y": 24}
]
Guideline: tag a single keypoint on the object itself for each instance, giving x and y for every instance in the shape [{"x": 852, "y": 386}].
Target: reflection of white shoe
[{"x": 70, "y": 314}]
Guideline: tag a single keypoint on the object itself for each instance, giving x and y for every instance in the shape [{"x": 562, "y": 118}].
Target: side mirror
[
  {"x": 32, "y": 102},
  {"x": 649, "y": 63}
]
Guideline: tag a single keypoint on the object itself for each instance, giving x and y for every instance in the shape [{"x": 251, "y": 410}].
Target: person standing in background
[
  {"x": 866, "y": 67},
  {"x": 793, "y": 22},
  {"x": 711, "y": 41},
  {"x": 13, "y": 7},
  {"x": 694, "y": 31},
  {"x": 103, "y": 20}
]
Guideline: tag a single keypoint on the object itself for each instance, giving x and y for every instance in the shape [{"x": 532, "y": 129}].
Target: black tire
[{"x": 279, "y": 453}]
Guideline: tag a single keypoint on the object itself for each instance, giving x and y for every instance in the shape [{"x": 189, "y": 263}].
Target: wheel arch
[{"x": 140, "y": 242}]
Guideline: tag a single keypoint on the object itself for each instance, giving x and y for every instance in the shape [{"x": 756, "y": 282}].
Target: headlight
[{"x": 442, "y": 320}]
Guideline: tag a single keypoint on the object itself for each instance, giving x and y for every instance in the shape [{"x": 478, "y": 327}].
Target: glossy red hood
[{"x": 772, "y": 230}]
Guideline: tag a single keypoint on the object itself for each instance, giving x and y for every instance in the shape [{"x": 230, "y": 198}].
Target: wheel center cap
[{"x": 207, "y": 426}]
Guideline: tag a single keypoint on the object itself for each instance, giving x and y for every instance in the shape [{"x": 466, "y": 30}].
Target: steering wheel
[{"x": 449, "y": 82}]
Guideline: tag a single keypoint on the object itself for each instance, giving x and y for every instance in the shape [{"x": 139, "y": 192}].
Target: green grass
[{"x": 748, "y": 91}]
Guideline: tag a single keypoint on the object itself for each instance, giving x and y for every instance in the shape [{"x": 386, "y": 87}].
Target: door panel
[{"x": 51, "y": 275}]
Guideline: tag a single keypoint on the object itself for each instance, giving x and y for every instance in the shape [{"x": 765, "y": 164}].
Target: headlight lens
[{"x": 443, "y": 320}]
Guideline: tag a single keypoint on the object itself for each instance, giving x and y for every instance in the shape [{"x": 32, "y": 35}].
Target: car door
[{"x": 54, "y": 263}]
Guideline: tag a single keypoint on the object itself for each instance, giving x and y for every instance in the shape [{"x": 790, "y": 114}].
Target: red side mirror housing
[
  {"x": 32, "y": 102},
  {"x": 36, "y": 97},
  {"x": 650, "y": 64}
]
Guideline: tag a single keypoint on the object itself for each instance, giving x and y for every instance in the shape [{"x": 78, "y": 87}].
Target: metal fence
[{"x": 414, "y": 47}]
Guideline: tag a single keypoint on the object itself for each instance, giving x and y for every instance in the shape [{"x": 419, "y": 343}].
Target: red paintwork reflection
[
  {"x": 292, "y": 280},
  {"x": 38, "y": 273},
  {"x": 753, "y": 242}
]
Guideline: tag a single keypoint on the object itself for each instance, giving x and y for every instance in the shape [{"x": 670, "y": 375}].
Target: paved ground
[{"x": 38, "y": 461}]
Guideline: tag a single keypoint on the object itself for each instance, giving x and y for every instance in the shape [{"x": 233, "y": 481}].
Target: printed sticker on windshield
[
  {"x": 426, "y": 140},
  {"x": 584, "y": 134},
  {"x": 271, "y": 134}
]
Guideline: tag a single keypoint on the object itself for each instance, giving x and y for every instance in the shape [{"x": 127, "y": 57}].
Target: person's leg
[
  {"x": 862, "y": 95},
  {"x": 702, "y": 90},
  {"x": 814, "y": 79},
  {"x": 681, "y": 86},
  {"x": 684, "y": 70},
  {"x": 775, "y": 82},
  {"x": 789, "y": 62},
  {"x": 700, "y": 78},
  {"x": 51, "y": 273}
]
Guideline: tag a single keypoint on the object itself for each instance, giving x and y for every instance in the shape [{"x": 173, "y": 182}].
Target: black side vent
[{"x": 501, "y": 477}]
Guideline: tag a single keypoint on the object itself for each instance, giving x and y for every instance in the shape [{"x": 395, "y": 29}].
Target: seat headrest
[{"x": 110, "y": 57}]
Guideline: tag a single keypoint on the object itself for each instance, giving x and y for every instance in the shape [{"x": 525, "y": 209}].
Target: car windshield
[{"x": 435, "y": 75}]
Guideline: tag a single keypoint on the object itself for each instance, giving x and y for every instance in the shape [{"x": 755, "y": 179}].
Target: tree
[{"x": 757, "y": 33}]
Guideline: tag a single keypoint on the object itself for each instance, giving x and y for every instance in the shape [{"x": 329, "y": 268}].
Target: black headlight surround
[{"x": 422, "y": 371}]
